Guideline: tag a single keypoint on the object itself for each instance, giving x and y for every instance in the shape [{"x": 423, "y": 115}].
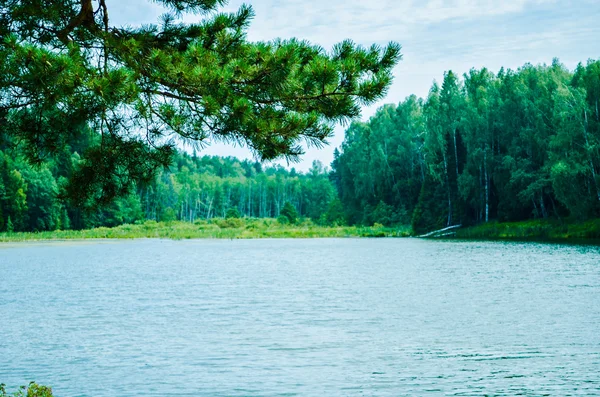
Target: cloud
[{"x": 331, "y": 21}]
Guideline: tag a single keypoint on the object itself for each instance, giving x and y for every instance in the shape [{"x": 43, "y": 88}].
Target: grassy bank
[
  {"x": 533, "y": 230},
  {"x": 215, "y": 229},
  {"x": 269, "y": 228}
]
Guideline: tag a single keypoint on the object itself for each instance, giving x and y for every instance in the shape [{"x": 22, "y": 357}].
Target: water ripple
[{"x": 348, "y": 317}]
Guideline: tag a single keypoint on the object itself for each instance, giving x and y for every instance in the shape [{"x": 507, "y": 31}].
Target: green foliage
[
  {"x": 535, "y": 230},
  {"x": 219, "y": 228},
  {"x": 193, "y": 188},
  {"x": 64, "y": 222},
  {"x": 33, "y": 390},
  {"x": 229, "y": 223},
  {"x": 430, "y": 212},
  {"x": 568, "y": 183},
  {"x": 380, "y": 165},
  {"x": 42, "y": 204},
  {"x": 387, "y": 215},
  {"x": 232, "y": 213},
  {"x": 335, "y": 215},
  {"x": 283, "y": 220},
  {"x": 168, "y": 215},
  {"x": 514, "y": 146},
  {"x": 136, "y": 90},
  {"x": 289, "y": 212}
]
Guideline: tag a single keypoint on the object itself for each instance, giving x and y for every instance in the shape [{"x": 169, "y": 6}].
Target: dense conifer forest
[{"x": 516, "y": 145}]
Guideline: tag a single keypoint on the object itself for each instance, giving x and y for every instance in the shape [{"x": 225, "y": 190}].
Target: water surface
[{"x": 330, "y": 317}]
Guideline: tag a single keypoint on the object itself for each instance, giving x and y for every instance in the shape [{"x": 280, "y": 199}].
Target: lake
[{"x": 323, "y": 317}]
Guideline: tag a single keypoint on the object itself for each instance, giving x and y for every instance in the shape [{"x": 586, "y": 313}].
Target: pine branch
[{"x": 84, "y": 18}]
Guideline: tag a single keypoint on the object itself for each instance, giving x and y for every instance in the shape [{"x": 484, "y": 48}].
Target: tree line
[
  {"x": 33, "y": 197},
  {"x": 516, "y": 145}
]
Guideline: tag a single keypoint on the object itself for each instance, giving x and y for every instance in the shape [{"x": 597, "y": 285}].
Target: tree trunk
[
  {"x": 590, "y": 159},
  {"x": 422, "y": 166},
  {"x": 543, "y": 206},
  {"x": 260, "y": 207},
  {"x": 481, "y": 195},
  {"x": 228, "y": 198},
  {"x": 448, "y": 189},
  {"x": 537, "y": 212},
  {"x": 554, "y": 207},
  {"x": 487, "y": 187},
  {"x": 250, "y": 198},
  {"x": 456, "y": 155},
  {"x": 208, "y": 212}
]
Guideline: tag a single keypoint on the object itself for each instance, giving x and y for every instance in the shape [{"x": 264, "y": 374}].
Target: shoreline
[
  {"x": 214, "y": 229},
  {"x": 538, "y": 230},
  {"x": 551, "y": 231}
]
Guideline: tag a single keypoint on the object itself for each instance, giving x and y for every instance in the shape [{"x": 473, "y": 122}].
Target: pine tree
[
  {"x": 2, "y": 203},
  {"x": 65, "y": 71},
  {"x": 9, "y": 225}
]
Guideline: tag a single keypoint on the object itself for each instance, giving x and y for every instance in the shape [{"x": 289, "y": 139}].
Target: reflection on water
[{"x": 338, "y": 317}]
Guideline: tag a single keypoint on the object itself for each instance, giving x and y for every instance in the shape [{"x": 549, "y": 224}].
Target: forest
[
  {"x": 33, "y": 197},
  {"x": 517, "y": 145},
  {"x": 510, "y": 146}
]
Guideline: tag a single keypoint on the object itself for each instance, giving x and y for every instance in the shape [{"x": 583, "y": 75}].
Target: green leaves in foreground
[
  {"x": 33, "y": 390},
  {"x": 65, "y": 71}
]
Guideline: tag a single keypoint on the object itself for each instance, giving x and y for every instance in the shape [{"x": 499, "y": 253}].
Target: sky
[{"x": 436, "y": 36}]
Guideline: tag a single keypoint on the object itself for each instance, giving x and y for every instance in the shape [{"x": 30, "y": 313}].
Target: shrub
[
  {"x": 168, "y": 215},
  {"x": 33, "y": 390},
  {"x": 232, "y": 213},
  {"x": 229, "y": 223},
  {"x": 335, "y": 215},
  {"x": 290, "y": 212}
]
